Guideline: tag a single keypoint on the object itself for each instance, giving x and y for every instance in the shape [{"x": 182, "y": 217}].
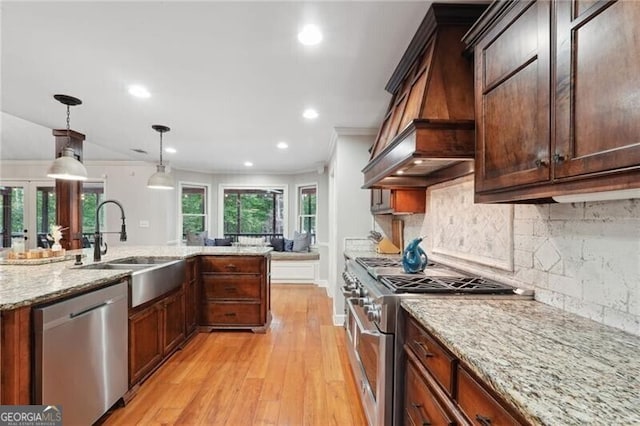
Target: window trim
[
  {"x": 207, "y": 208},
  {"x": 285, "y": 201},
  {"x": 299, "y": 188}
]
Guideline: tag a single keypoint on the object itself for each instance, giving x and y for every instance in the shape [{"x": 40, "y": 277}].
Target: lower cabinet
[
  {"x": 191, "y": 295},
  {"x": 440, "y": 390},
  {"x": 155, "y": 331},
  {"x": 235, "y": 292}
]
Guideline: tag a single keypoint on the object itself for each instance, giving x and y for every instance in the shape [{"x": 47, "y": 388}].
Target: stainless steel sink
[
  {"x": 141, "y": 260},
  {"x": 151, "y": 277}
]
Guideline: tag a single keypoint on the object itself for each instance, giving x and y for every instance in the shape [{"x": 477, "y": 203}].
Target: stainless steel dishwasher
[{"x": 81, "y": 353}]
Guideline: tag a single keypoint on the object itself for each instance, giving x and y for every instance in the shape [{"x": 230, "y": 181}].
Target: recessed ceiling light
[
  {"x": 417, "y": 162},
  {"x": 170, "y": 150},
  {"x": 310, "y": 35},
  {"x": 139, "y": 91},
  {"x": 400, "y": 172},
  {"x": 310, "y": 113},
  {"x": 248, "y": 164},
  {"x": 282, "y": 145}
]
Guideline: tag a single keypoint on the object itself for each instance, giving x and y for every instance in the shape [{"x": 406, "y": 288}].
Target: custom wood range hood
[{"x": 428, "y": 133}]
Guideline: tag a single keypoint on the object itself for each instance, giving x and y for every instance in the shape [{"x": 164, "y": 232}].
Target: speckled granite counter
[
  {"x": 556, "y": 367},
  {"x": 23, "y": 285}
]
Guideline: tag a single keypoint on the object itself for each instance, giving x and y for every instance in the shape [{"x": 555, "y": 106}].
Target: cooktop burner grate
[
  {"x": 384, "y": 262},
  {"x": 422, "y": 284}
]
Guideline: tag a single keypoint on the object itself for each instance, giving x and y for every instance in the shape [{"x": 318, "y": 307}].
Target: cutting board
[{"x": 397, "y": 232}]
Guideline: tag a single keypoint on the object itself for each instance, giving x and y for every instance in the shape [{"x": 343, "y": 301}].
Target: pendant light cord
[{"x": 161, "y": 148}]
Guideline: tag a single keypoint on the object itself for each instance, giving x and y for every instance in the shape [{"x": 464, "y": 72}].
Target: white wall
[
  {"x": 583, "y": 258},
  {"x": 349, "y": 211}
]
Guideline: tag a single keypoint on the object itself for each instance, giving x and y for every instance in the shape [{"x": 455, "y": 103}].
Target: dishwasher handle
[{"x": 92, "y": 308}]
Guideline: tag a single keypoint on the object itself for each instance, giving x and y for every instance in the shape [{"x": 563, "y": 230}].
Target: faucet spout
[{"x": 97, "y": 235}]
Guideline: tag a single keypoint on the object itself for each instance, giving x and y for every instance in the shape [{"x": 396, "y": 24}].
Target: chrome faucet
[{"x": 97, "y": 236}]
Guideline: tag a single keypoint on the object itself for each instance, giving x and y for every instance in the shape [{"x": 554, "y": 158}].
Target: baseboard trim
[
  {"x": 322, "y": 283},
  {"x": 338, "y": 320}
]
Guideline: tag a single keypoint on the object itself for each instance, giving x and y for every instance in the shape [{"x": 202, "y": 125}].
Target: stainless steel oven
[
  {"x": 368, "y": 350},
  {"x": 373, "y": 289}
]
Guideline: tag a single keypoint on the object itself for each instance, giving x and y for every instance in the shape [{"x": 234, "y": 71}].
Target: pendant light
[
  {"x": 67, "y": 166},
  {"x": 160, "y": 179}
]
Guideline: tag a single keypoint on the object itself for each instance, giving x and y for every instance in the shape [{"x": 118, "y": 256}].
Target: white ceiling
[{"x": 229, "y": 78}]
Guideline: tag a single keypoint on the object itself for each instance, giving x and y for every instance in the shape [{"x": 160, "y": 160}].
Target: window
[
  {"x": 193, "y": 209},
  {"x": 307, "y": 202},
  {"x": 92, "y": 195},
  {"x": 253, "y": 212}
]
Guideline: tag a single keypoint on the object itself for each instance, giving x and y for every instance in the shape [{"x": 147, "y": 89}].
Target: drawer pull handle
[
  {"x": 484, "y": 421},
  {"x": 231, "y": 267},
  {"x": 230, "y": 314},
  {"x": 425, "y": 350},
  {"x": 540, "y": 163},
  {"x": 418, "y": 408}
]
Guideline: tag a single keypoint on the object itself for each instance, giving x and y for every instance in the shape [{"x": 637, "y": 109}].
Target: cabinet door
[
  {"x": 191, "y": 296},
  {"x": 380, "y": 201},
  {"x": 512, "y": 88},
  {"x": 598, "y": 95},
  {"x": 173, "y": 321},
  {"x": 145, "y": 341}
]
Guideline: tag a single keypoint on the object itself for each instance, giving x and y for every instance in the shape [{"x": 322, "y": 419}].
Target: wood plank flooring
[{"x": 295, "y": 374}]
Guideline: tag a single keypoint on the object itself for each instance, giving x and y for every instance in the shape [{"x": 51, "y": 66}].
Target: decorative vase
[{"x": 414, "y": 259}]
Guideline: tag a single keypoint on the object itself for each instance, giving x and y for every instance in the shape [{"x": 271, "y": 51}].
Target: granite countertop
[
  {"x": 353, "y": 254},
  {"x": 24, "y": 285},
  {"x": 556, "y": 367}
]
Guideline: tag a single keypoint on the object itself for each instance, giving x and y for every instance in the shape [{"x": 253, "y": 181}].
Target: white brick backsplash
[
  {"x": 533, "y": 277},
  {"x": 619, "y": 210},
  {"x": 627, "y": 322},
  {"x": 550, "y": 298},
  {"x": 523, "y": 227},
  {"x": 532, "y": 211},
  {"x": 581, "y": 257},
  {"x": 565, "y": 285},
  {"x": 568, "y": 211},
  {"x": 546, "y": 256},
  {"x": 523, "y": 259},
  {"x": 580, "y": 307}
]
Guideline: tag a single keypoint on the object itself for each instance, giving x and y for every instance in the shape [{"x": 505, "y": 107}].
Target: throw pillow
[
  {"x": 225, "y": 242},
  {"x": 277, "y": 244},
  {"x": 209, "y": 242},
  {"x": 301, "y": 242},
  {"x": 196, "y": 238},
  {"x": 288, "y": 245}
]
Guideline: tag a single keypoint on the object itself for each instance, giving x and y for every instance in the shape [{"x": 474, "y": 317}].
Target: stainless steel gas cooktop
[{"x": 431, "y": 284}]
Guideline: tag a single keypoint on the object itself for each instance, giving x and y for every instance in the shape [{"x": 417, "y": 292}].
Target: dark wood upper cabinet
[
  {"x": 598, "y": 87},
  {"x": 556, "y": 99},
  {"x": 512, "y": 92}
]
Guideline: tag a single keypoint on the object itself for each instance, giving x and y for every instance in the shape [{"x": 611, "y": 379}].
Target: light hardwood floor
[{"x": 295, "y": 374}]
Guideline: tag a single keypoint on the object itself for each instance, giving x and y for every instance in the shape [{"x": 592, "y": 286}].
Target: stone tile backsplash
[{"x": 580, "y": 257}]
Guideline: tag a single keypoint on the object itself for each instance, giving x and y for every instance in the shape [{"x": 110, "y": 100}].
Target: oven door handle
[{"x": 361, "y": 328}]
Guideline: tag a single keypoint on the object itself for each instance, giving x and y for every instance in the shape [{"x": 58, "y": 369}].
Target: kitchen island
[
  {"x": 552, "y": 366},
  {"x": 23, "y": 287}
]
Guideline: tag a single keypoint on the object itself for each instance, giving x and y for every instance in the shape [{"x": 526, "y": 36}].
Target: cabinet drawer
[
  {"x": 231, "y": 264},
  {"x": 231, "y": 286},
  {"x": 421, "y": 405},
  {"x": 479, "y": 405},
  {"x": 231, "y": 314},
  {"x": 435, "y": 358}
]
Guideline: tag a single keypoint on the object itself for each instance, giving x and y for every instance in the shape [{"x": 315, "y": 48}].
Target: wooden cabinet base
[{"x": 260, "y": 329}]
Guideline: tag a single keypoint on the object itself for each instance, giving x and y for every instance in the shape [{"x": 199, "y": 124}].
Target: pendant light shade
[
  {"x": 67, "y": 166},
  {"x": 160, "y": 179}
]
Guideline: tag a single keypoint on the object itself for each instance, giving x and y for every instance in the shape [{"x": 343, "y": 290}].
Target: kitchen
[{"x": 580, "y": 257}]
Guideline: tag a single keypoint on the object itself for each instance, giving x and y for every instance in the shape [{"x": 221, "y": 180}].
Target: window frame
[
  {"x": 206, "y": 215},
  {"x": 299, "y": 215},
  {"x": 280, "y": 186}
]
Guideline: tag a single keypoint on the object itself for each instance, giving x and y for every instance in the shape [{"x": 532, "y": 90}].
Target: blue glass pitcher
[{"x": 414, "y": 259}]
